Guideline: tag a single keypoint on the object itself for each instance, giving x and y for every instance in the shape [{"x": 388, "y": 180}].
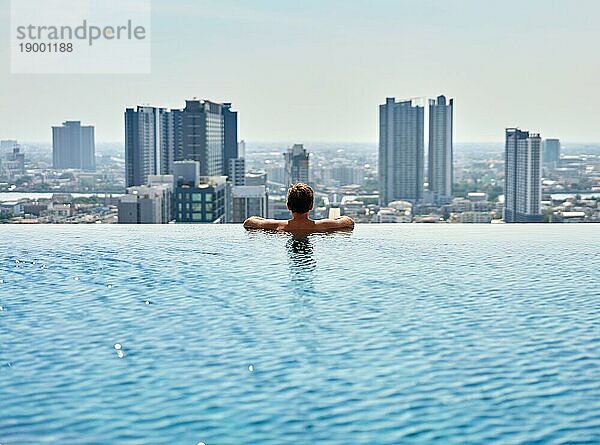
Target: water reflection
[{"x": 302, "y": 264}]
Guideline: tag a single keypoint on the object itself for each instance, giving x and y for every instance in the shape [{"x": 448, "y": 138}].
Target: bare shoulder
[
  {"x": 256, "y": 222},
  {"x": 343, "y": 222}
]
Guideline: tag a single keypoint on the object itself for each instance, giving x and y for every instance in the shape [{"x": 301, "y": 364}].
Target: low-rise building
[
  {"x": 60, "y": 211},
  {"x": 248, "y": 200},
  {"x": 35, "y": 208},
  {"x": 198, "y": 199},
  {"x": 568, "y": 217},
  {"x": 477, "y": 196},
  {"x": 149, "y": 204},
  {"x": 474, "y": 217},
  {"x": 256, "y": 178},
  {"x": 11, "y": 207},
  {"x": 355, "y": 210},
  {"x": 392, "y": 215}
]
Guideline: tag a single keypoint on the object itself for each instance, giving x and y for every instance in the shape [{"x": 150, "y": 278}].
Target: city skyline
[
  {"x": 278, "y": 56},
  {"x": 303, "y": 221}
]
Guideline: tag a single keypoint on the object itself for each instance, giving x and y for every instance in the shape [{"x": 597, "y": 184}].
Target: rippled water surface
[{"x": 392, "y": 334}]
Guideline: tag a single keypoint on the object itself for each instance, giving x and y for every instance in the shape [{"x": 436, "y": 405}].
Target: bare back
[{"x": 300, "y": 224}]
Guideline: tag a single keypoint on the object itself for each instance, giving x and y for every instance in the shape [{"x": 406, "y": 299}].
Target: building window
[{"x": 208, "y": 197}]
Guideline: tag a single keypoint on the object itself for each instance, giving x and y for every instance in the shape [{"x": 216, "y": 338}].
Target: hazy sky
[{"x": 316, "y": 70}]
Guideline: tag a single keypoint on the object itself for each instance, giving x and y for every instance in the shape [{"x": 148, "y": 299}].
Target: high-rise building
[
  {"x": 230, "y": 137},
  {"x": 73, "y": 146},
  {"x": 401, "y": 152},
  {"x": 237, "y": 166},
  {"x": 175, "y": 135},
  {"x": 197, "y": 198},
  {"x": 203, "y": 135},
  {"x": 296, "y": 165},
  {"x": 150, "y": 139},
  {"x": 551, "y": 153},
  {"x": 440, "y": 169},
  {"x": 523, "y": 177}
]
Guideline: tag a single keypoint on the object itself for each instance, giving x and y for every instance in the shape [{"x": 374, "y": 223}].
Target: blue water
[{"x": 392, "y": 334}]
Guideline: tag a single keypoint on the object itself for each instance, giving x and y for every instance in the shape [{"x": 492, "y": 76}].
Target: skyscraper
[
  {"x": 523, "y": 177},
  {"x": 440, "y": 169},
  {"x": 401, "y": 152},
  {"x": 175, "y": 123},
  {"x": 230, "y": 137},
  {"x": 73, "y": 146},
  {"x": 551, "y": 153},
  {"x": 203, "y": 135},
  {"x": 296, "y": 164},
  {"x": 149, "y": 143}
]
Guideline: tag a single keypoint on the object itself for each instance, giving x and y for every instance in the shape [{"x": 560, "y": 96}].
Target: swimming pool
[{"x": 392, "y": 334}]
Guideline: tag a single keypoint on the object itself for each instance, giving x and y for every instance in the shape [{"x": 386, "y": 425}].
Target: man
[{"x": 300, "y": 201}]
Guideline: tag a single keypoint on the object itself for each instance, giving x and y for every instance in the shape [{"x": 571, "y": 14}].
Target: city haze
[{"x": 316, "y": 71}]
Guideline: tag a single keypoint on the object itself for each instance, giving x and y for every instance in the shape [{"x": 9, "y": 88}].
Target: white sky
[{"x": 317, "y": 70}]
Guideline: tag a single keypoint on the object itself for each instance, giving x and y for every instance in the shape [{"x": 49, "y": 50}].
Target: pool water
[{"x": 210, "y": 334}]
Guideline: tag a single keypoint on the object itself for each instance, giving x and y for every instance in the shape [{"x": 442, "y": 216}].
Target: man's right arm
[
  {"x": 345, "y": 222},
  {"x": 256, "y": 222}
]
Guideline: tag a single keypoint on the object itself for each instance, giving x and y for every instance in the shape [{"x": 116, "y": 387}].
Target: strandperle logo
[
  {"x": 85, "y": 31},
  {"x": 80, "y": 36}
]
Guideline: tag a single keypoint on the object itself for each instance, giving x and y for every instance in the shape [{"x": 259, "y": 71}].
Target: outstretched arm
[
  {"x": 256, "y": 222},
  {"x": 341, "y": 222},
  {"x": 344, "y": 222}
]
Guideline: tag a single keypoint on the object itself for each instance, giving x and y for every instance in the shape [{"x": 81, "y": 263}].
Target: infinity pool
[{"x": 209, "y": 334}]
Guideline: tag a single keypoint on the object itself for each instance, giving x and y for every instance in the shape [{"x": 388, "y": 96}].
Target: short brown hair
[{"x": 300, "y": 197}]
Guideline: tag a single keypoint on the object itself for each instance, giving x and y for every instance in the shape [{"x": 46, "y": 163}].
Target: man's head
[{"x": 300, "y": 198}]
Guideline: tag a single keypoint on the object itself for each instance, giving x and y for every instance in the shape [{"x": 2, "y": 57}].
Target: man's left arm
[{"x": 341, "y": 222}]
